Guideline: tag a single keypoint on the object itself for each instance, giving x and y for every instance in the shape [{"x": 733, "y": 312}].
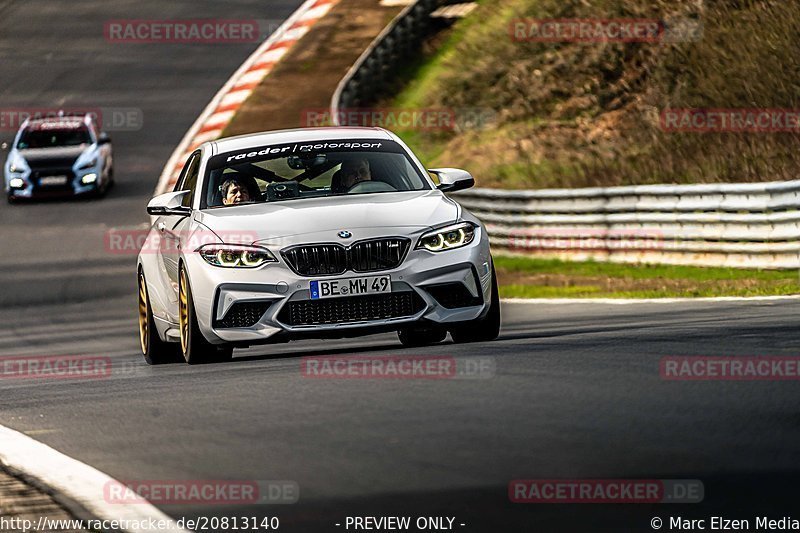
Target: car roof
[{"x": 242, "y": 142}]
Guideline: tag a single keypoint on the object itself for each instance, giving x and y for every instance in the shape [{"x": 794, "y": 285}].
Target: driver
[
  {"x": 353, "y": 172},
  {"x": 236, "y": 191}
]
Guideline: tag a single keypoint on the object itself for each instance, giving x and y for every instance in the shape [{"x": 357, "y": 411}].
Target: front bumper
[
  {"x": 73, "y": 187},
  {"x": 224, "y": 297}
]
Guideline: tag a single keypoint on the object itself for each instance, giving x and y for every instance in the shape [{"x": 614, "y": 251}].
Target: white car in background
[
  {"x": 58, "y": 156},
  {"x": 311, "y": 233}
]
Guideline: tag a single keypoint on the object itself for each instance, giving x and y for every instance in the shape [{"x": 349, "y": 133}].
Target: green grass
[
  {"x": 587, "y": 114},
  {"x": 588, "y": 291},
  {"x": 551, "y": 278},
  {"x": 427, "y": 70},
  {"x": 622, "y": 270}
]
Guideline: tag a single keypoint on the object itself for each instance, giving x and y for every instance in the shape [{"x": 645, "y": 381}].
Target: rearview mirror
[
  {"x": 169, "y": 204},
  {"x": 452, "y": 179},
  {"x": 304, "y": 162}
]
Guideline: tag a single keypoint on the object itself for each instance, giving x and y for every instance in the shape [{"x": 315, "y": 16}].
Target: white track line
[
  {"x": 78, "y": 482},
  {"x": 626, "y": 301}
]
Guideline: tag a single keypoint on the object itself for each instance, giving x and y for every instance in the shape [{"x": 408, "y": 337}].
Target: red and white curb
[{"x": 219, "y": 112}]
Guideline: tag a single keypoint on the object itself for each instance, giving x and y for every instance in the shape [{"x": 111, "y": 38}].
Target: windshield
[
  {"x": 50, "y": 137},
  {"x": 291, "y": 171}
]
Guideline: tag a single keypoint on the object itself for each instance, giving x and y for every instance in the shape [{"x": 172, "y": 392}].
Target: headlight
[
  {"x": 89, "y": 178},
  {"x": 16, "y": 183},
  {"x": 454, "y": 236},
  {"x": 235, "y": 255},
  {"x": 90, "y": 164}
]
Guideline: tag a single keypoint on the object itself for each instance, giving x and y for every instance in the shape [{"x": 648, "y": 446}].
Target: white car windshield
[{"x": 303, "y": 170}]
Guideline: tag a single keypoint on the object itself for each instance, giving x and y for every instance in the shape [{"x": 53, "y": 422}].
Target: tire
[
  {"x": 483, "y": 329},
  {"x": 194, "y": 346},
  {"x": 102, "y": 191},
  {"x": 154, "y": 350},
  {"x": 11, "y": 199},
  {"x": 414, "y": 337},
  {"x": 109, "y": 184}
]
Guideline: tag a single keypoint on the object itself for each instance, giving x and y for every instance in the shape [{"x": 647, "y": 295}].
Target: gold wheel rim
[
  {"x": 184, "y": 311},
  {"x": 144, "y": 326}
]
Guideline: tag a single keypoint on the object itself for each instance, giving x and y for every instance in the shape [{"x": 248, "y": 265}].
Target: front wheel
[
  {"x": 154, "y": 350},
  {"x": 483, "y": 329},
  {"x": 102, "y": 190},
  {"x": 194, "y": 346}
]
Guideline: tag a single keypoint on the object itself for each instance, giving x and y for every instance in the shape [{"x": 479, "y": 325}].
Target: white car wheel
[{"x": 154, "y": 350}]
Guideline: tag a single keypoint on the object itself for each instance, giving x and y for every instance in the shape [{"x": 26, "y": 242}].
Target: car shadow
[
  {"x": 296, "y": 353},
  {"x": 66, "y": 199}
]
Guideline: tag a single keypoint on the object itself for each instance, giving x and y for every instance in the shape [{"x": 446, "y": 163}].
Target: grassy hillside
[{"x": 586, "y": 114}]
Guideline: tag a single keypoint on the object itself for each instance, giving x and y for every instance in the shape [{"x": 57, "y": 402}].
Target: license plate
[
  {"x": 336, "y": 288},
  {"x": 53, "y": 180}
]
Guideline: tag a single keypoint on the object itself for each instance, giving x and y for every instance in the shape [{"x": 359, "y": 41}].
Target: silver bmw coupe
[{"x": 311, "y": 233}]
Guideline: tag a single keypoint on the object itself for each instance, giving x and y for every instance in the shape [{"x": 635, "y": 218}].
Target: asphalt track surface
[{"x": 575, "y": 391}]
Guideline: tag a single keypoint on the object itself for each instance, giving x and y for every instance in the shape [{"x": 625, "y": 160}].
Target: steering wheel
[{"x": 371, "y": 186}]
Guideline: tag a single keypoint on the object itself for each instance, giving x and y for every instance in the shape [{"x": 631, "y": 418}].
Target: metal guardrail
[
  {"x": 374, "y": 69},
  {"x": 739, "y": 225}
]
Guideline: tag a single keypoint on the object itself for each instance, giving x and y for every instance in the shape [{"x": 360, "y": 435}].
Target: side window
[
  {"x": 188, "y": 178},
  {"x": 182, "y": 176}
]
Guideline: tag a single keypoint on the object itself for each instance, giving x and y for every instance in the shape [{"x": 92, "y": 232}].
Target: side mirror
[
  {"x": 103, "y": 138},
  {"x": 169, "y": 204},
  {"x": 453, "y": 179}
]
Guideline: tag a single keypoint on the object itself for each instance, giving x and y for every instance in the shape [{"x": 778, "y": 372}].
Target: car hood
[
  {"x": 52, "y": 157},
  {"x": 357, "y": 214}
]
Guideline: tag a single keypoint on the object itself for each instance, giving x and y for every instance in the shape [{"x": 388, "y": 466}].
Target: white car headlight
[
  {"x": 454, "y": 236},
  {"x": 235, "y": 255}
]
